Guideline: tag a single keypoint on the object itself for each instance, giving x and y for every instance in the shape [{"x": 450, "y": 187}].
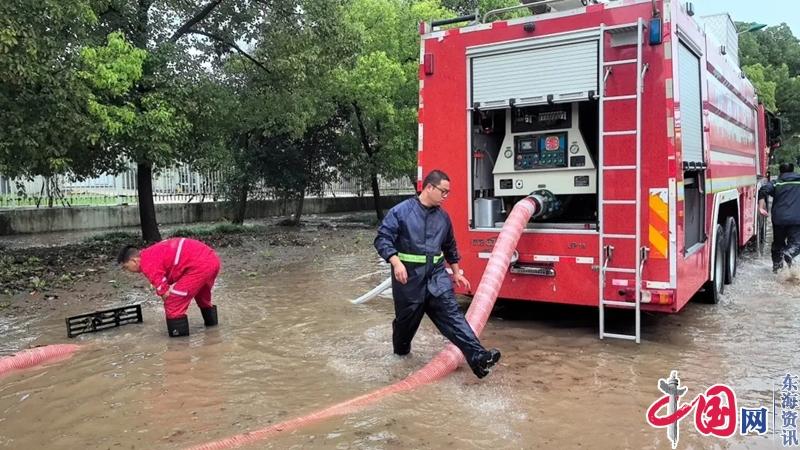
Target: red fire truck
[{"x": 633, "y": 117}]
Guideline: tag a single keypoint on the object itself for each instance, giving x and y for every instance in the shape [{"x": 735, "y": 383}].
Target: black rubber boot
[
  {"x": 178, "y": 327},
  {"x": 483, "y": 362},
  {"x": 210, "y": 316}
]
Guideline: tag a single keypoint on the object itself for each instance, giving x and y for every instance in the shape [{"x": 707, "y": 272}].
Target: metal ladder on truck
[{"x": 630, "y": 206}]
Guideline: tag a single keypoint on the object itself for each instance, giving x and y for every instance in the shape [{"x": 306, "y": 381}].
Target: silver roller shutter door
[
  {"x": 568, "y": 72},
  {"x": 691, "y": 105}
]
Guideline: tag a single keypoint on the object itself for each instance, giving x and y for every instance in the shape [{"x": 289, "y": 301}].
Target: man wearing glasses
[{"x": 416, "y": 237}]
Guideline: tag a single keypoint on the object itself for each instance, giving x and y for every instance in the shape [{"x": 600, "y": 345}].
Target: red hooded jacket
[{"x": 165, "y": 262}]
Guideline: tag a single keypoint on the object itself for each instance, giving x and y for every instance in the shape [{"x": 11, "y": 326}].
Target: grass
[
  {"x": 215, "y": 230},
  {"x": 114, "y": 236},
  {"x": 365, "y": 218},
  {"x": 124, "y": 237}
]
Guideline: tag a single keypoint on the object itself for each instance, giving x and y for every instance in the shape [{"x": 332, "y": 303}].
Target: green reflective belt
[{"x": 419, "y": 259}]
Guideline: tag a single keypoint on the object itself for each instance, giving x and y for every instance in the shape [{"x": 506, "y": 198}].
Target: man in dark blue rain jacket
[
  {"x": 785, "y": 215},
  {"x": 416, "y": 238}
]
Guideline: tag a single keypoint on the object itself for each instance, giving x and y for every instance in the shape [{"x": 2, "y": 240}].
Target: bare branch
[
  {"x": 202, "y": 14},
  {"x": 232, "y": 45}
]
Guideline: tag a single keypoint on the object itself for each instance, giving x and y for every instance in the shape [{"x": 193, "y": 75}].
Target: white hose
[
  {"x": 360, "y": 277},
  {"x": 387, "y": 284},
  {"x": 374, "y": 292}
]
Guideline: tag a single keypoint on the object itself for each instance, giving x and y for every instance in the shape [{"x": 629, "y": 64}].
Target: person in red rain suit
[{"x": 181, "y": 269}]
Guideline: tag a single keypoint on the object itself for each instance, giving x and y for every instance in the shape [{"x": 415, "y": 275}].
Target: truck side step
[
  {"x": 629, "y": 337},
  {"x": 620, "y": 97},
  {"x": 619, "y": 62},
  {"x": 619, "y": 168},
  {"x": 619, "y": 202},
  {"x": 619, "y": 304}
]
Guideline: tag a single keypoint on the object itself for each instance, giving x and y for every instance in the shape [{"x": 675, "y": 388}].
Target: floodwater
[{"x": 290, "y": 342}]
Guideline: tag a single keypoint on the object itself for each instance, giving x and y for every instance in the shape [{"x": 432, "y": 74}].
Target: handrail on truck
[
  {"x": 440, "y": 22},
  {"x": 495, "y": 12}
]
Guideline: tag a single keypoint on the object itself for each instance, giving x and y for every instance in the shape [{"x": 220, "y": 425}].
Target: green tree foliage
[
  {"x": 294, "y": 167},
  {"x": 143, "y": 126},
  {"x": 87, "y": 84},
  {"x": 464, "y": 7},
  {"x": 112, "y": 71},
  {"x": 766, "y": 88},
  {"x": 284, "y": 94},
  {"x": 379, "y": 86},
  {"x": 771, "y": 59},
  {"x": 44, "y": 122},
  {"x": 287, "y": 104},
  {"x": 144, "y": 77},
  {"x": 771, "y": 46}
]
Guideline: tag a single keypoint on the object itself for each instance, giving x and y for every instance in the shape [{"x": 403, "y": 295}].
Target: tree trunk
[
  {"x": 413, "y": 180},
  {"x": 144, "y": 169},
  {"x": 41, "y": 195},
  {"x": 147, "y": 208},
  {"x": 49, "y": 192},
  {"x": 240, "y": 206},
  {"x": 373, "y": 172},
  {"x": 376, "y": 193},
  {"x": 299, "y": 207}
]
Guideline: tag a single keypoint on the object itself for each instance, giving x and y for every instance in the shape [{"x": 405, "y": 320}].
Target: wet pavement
[{"x": 290, "y": 342}]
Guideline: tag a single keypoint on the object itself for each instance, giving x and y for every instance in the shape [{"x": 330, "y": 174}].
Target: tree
[
  {"x": 764, "y": 87},
  {"x": 287, "y": 129},
  {"x": 464, "y": 7},
  {"x": 296, "y": 167},
  {"x": 44, "y": 119},
  {"x": 380, "y": 87},
  {"x": 771, "y": 59},
  {"x": 772, "y": 46},
  {"x": 148, "y": 120},
  {"x": 141, "y": 124}
]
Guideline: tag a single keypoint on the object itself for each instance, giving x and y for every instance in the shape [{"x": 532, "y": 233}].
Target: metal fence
[{"x": 174, "y": 185}]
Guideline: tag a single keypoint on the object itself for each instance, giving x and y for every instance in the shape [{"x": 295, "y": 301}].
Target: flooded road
[{"x": 289, "y": 343}]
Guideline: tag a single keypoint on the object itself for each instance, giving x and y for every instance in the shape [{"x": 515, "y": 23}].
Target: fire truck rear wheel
[
  {"x": 732, "y": 255},
  {"x": 713, "y": 289}
]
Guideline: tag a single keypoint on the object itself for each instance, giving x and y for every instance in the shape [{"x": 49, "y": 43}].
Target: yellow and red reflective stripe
[{"x": 658, "y": 234}]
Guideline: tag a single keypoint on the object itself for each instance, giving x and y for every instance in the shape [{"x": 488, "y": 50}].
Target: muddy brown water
[{"x": 289, "y": 342}]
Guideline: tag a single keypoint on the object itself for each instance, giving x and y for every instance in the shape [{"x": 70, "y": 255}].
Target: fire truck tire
[
  {"x": 713, "y": 289},
  {"x": 732, "y": 254}
]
